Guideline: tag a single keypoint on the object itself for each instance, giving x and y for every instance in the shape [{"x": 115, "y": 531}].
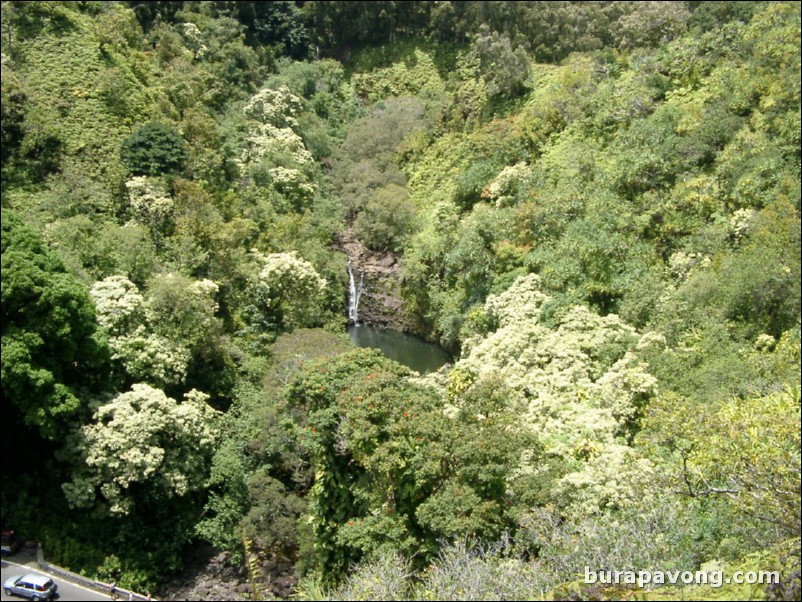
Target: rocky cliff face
[{"x": 381, "y": 303}]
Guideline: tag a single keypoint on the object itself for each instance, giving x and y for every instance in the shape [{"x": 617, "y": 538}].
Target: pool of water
[{"x": 404, "y": 348}]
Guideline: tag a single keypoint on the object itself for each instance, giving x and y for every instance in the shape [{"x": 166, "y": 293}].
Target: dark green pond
[{"x": 404, "y": 348}]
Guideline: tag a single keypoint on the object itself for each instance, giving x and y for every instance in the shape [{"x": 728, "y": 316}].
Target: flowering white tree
[
  {"x": 153, "y": 337},
  {"x": 509, "y": 185},
  {"x": 151, "y": 204},
  {"x": 580, "y": 384},
  {"x": 274, "y": 142},
  {"x": 151, "y": 358},
  {"x": 142, "y": 441},
  {"x": 288, "y": 285},
  {"x": 279, "y": 108},
  {"x": 119, "y": 305}
]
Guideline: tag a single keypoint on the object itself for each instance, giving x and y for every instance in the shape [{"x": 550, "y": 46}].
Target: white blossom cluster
[
  {"x": 266, "y": 141},
  {"x": 120, "y": 307},
  {"x": 273, "y": 137},
  {"x": 581, "y": 382},
  {"x": 208, "y": 290},
  {"x": 522, "y": 302},
  {"x": 741, "y": 222},
  {"x": 510, "y": 183},
  {"x": 613, "y": 477},
  {"x": 150, "y": 357},
  {"x": 293, "y": 181},
  {"x": 291, "y": 282},
  {"x": 140, "y": 437},
  {"x": 193, "y": 38},
  {"x": 682, "y": 264},
  {"x": 132, "y": 321},
  {"x": 276, "y": 107},
  {"x": 151, "y": 203}
]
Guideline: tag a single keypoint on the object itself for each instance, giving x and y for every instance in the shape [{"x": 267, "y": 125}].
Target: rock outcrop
[
  {"x": 381, "y": 303},
  {"x": 212, "y": 575}
]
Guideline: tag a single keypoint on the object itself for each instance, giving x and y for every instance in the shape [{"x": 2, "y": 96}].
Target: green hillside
[{"x": 594, "y": 207}]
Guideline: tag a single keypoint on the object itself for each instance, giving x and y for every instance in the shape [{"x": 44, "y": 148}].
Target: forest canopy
[{"x": 594, "y": 207}]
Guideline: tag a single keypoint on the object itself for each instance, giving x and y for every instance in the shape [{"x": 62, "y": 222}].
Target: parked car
[
  {"x": 33, "y": 586},
  {"x": 8, "y": 542}
]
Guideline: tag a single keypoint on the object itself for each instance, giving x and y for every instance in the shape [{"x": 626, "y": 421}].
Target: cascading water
[
  {"x": 354, "y": 292},
  {"x": 415, "y": 353}
]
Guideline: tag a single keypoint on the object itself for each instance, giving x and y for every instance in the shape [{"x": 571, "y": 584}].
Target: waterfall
[{"x": 354, "y": 292}]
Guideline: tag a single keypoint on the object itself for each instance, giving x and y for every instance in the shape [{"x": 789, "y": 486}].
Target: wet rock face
[
  {"x": 383, "y": 310},
  {"x": 381, "y": 303}
]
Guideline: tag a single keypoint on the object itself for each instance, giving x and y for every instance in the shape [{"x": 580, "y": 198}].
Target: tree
[
  {"x": 274, "y": 24},
  {"x": 236, "y": 66},
  {"x": 273, "y": 152},
  {"x": 12, "y": 128},
  {"x": 151, "y": 205},
  {"x": 51, "y": 344},
  {"x": 366, "y": 161},
  {"x": 154, "y": 149},
  {"x": 754, "y": 287},
  {"x": 286, "y": 291},
  {"x": 652, "y": 23},
  {"x": 259, "y": 467},
  {"x": 183, "y": 309},
  {"x": 150, "y": 13},
  {"x": 504, "y": 69},
  {"x": 387, "y": 220},
  {"x": 142, "y": 446},
  {"x": 745, "y": 450},
  {"x": 157, "y": 337},
  {"x": 394, "y": 470},
  {"x": 581, "y": 386},
  {"x": 120, "y": 306},
  {"x": 335, "y": 25},
  {"x": 29, "y": 153}
]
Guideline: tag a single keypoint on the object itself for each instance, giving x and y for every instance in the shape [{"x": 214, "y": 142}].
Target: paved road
[{"x": 20, "y": 564}]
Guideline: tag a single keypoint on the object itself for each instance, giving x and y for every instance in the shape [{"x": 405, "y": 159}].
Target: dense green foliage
[
  {"x": 153, "y": 149},
  {"x": 392, "y": 470},
  {"x": 52, "y": 346},
  {"x": 593, "y": 205}
]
